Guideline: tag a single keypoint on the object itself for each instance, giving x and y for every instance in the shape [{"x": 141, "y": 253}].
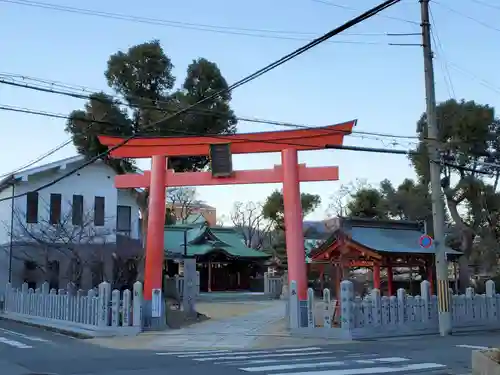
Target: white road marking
[
  {"x": 195, "y": 353},
  {"x": 250, "y": 352},
  {"x": 319, "y": 364},
  {"x": 293, "y": 366},
  {"x": 14, "y": 343},
  {"x": 276, "y": 360},
  {"x": 370, "y": 370},
  {"x": 30, "y": 338},
  {"x": 473, "y": 347},
  {"x": 386, "y": 360},
  {"x": 259, "y": 356}
]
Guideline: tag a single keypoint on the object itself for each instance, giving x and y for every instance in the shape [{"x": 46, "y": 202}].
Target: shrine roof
[
  {"x": 389, "y": 236},
  {"x": 392, "y": 240},
  {"x": 203, "y": 240}
]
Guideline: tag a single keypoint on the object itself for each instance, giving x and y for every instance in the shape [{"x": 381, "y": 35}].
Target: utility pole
[{"x": 438, "y": 208}]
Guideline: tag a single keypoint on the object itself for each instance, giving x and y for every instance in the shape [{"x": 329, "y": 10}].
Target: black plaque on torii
[{"x": 221, "y": 160}]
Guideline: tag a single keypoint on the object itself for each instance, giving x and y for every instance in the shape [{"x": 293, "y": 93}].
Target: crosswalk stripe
[
  {"x": 277, "y": 360},
  {"x": 370, "y": 370},
  {"x": 14, "y": 343},
  {"x": 473, "y": 347},
  {"x": 194, "y": 353},
  {"x": 258, "y": 356},
  {"x": 30, "y": 338},
  {"x": 386, "y": 360},
  {"x": 251, "y": 352},
  {"x": 318, "y": 364}
]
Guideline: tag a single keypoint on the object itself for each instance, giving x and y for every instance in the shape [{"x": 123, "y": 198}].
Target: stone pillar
[
  {"x": 103, "y": 306},
  {"x": 346, "y": 305},
  {"x": 189, "y": 292}
]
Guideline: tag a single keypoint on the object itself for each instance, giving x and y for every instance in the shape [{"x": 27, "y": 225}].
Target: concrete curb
[
  {"x": 66, "y": 332},
  {"x": 484, "y": 364}
]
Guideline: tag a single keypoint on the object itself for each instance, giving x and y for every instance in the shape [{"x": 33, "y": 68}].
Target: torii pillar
[{"x": 290, "y": 173}]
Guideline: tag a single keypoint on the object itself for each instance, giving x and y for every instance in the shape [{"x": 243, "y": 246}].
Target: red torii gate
[{"x": 290, "y": 173}]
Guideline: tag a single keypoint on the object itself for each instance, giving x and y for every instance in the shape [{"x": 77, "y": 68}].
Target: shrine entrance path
[{"x": 234, "y": 324}]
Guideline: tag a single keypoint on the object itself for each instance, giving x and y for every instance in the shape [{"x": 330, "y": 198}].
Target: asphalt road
[{"x": 27, "y": 351}]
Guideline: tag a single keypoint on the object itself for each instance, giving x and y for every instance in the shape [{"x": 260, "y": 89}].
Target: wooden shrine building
[
  {"x": 375, "y": 244},
  {"x": 223, "y": 260}
]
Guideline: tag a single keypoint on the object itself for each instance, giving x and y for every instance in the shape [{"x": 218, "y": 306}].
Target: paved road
[
  {"x": 27, "y": 350},
  {"x": 415, "y": 355}
]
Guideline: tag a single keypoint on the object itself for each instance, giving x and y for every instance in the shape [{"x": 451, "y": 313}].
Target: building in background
[
  {"x": 80, "y": 229},
  {"x": 183, "y": 210},
  {"x": 223, "y": 260}
]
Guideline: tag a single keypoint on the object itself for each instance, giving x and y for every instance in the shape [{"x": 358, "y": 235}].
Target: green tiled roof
[
  {"x": 392, "y": 240},
  {"x": 202, "y": 240}
]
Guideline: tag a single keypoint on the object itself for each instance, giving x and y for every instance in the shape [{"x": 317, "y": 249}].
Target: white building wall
[
  {"x": 5, "y": 220},
  {"x": 94, "y": 180}
]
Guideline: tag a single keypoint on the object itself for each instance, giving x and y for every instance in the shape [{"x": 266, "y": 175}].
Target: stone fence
[
  {"x": 102, "y": 309},
  {"x": 374, "y": 316},
  {"x": 272, "y": 285}
]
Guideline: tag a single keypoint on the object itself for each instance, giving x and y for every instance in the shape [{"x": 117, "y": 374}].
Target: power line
[
  {"x": 361, "y": 135},
  {"x": 196, "y": 111},
  {"x": 340, "y": 6},
  {"x": 474, "y": 76},
  {"x": 412, "y": 153},
  {"x": 446, "y": 71},
  {"x": 366, "y": 15},
  {"x": 473, "y": 19},
  {"x": 228, "y": 30},
  {"x": 483, "y": 3},
  {"x": 39, "y": 158}
]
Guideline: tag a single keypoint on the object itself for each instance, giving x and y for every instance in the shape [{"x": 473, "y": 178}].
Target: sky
[{"x": 357, "y": 75}]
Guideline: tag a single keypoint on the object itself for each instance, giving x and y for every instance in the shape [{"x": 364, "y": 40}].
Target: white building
[{"x": 79, "y": 229}]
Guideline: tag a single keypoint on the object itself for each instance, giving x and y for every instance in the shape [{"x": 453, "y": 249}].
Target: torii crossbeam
[{"x": 290, "y": 173}]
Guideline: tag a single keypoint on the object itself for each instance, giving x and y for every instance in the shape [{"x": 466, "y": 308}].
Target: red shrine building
[{"x": 376, "y": 245}]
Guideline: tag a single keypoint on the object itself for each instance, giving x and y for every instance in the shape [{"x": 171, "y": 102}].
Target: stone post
[
  {"x": 127, "y": 299},
  {"x": 115, "y": 308},
  {"x": 24, "y": 298},
  {"x": 491, "y": 301},
  {"x": 137, "y": 303},
  {"x": 425, "y": 294},
  {"x": 376, "y": 307},
  {"x": 103, "y": 305},
  {"x": 89, "y": 313},
  {"x": 293, "y": 306},
  {"x": 327, "y": 311},
  {"x": 401, "y": 295},
  {"x": 310, "y": 308},
  {"x": 189, "y": 292},
  {"x": 346, "y": 305}
]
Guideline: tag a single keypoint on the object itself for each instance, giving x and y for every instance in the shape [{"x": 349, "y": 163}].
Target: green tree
[
  {"x": 143, "y": 85},
  {"x": 368, "y": 203},
  {"x": 142, "y": 81},
  {"x": 274, "y": 211},
  {"x": 468, "y": 137}
]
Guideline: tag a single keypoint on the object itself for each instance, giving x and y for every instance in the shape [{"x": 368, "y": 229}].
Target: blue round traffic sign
[{"x": 425, "y": 241}]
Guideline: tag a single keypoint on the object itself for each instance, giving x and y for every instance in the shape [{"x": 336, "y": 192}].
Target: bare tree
[
  {"x": 54, "y": 239},
  {"x": 339, "y": 200},
  {"x": 248, "y": 219},
  {"x": 182, "y": 201}
]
